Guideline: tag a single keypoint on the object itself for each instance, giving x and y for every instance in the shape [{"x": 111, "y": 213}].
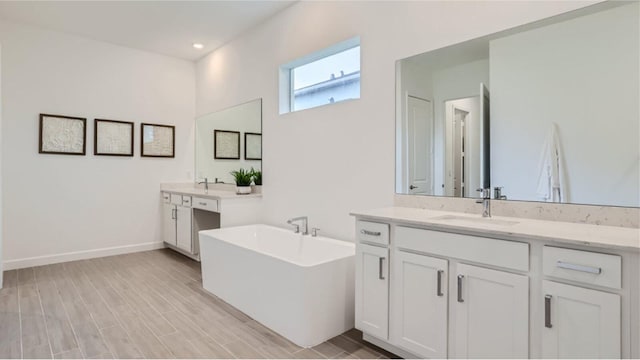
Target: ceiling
[{"x": 164, "y": 27}]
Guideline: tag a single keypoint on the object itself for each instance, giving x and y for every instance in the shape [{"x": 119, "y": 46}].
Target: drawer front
[
  {"x": 176, "y": 199},
  {"x": 205, "y": 204},
  {"x": 506, "y": 254},
  {"x": 583, "y": 266},
  {"x": 186, "y": 201},
  {"x": 166, "y": 198},
  {"x": 372, "y": 232}
]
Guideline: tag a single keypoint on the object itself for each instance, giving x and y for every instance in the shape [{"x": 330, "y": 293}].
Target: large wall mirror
[
  {"x": 548, "y": 111},
  {"x": 228, "y": 140}
]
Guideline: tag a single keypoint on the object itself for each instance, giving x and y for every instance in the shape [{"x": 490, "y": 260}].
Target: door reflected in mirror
[{"x": 562, "y": 123}]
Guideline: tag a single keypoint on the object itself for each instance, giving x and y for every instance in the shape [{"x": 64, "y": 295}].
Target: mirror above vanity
[
  {"x": 228, "y": 140},
  {"x": 547, "y": 111}
]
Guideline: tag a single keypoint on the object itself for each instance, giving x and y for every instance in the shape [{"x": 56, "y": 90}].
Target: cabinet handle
[
  {"x": 380, "y": 272},
  {"x": 372, "y": 233},
  {"x": 439, "y": 291},
  {"x": 547, "y": 311},
  {"x": 460, "y": 299},
  {"x": 173, "y": 214},
  {"x": 576, "y": 267},
  {"x": 203, "y": 204}
]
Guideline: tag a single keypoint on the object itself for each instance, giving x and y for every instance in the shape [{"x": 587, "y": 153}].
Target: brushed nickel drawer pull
[
  {"x": 460, "y": 299},
  {"x": 380, "y": 271},
  {"x": 576, "y": 267},
  {"x": 203, "y": 204},
  {"x": 372, "y": 233},
  {"x": 547, "y": 311}
]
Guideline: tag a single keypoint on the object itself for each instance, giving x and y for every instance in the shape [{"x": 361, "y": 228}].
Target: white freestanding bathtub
[{"x": 301, "y": 287}]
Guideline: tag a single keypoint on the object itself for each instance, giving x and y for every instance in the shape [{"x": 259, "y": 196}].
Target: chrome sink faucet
[
  {"x": 485, "y": 194},
  {"x": 304, "y": 220},
  {"x": 206, "y": 184}
]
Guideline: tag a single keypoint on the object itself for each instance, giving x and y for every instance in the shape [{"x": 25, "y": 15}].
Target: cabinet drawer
[
  {"x": 372, "y": 232},
  {"x": 166, "y": 198},
  {"x": 583, "y": 266},
  {"x": 176, "y": 199},
  {"x": 205, "y": 204},
  {"x": 186, "y": 201},
  {"x": 501, "y": 253}
]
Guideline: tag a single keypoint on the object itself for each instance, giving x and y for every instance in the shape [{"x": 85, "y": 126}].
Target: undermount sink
[{"x": 475, "y": 220}]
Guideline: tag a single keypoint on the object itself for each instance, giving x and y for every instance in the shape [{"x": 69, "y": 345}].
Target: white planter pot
[{"x": 243, "y": 190}]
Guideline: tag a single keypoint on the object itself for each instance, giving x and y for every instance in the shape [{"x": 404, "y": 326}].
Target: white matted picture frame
[
  {"x": 252, "y": 146},
  {"x": 226, "y": 145},
  {"x": 157, "y": 140},
  {"x": 112, "y": 137},
  {"x": 64, "y": 135}
]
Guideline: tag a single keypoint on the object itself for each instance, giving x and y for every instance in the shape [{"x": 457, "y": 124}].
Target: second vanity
[
  {"x": 437, "y": 284},
  {"x": 188, "y": 210}
]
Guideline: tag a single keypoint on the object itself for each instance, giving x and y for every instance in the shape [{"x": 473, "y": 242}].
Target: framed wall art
[
  {"x": 226, "y": 144},
  {"x": 252, "y": 146},
  {"x": 112, "y": 137},
  {"x": 64, "y": 135},
  {"x": 157, "y": 140}
]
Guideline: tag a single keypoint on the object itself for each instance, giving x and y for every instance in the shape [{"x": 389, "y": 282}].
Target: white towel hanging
[{"x": 551, "y": 185}]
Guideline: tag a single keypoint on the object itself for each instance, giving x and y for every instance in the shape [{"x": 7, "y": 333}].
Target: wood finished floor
[{"x": 142, "y": 305}]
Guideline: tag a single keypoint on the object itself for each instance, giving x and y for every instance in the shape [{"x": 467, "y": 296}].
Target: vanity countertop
[
  {"x": 510, "y": 228},
  {"x": 215, "y": 194}
]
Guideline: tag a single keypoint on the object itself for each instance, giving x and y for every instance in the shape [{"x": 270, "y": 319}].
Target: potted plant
[
  {"x": 256, "y": 175},
  {"x": 243, "y": 181}
]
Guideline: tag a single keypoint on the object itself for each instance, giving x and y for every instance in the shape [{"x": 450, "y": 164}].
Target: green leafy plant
[
  {"x": 256, "y": 175},
  {"x": 242, "y": 177}
]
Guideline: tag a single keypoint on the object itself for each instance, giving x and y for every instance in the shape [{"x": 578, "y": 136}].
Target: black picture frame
[
  {"x": 43, "y": 148},
  {"x": 249, "y": 139},
  {"x": 150, "y": 152},
  {"x": 226, "y": 145},
  {"x": 96, "y": 137}
]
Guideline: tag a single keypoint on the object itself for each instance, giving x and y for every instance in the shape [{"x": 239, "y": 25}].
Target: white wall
[
  {"x": 583, "y": 75},
  {"x": 57, "y": 204},
  {"x": 1, "y": 210},
  {"x": 327, "y": 161}
]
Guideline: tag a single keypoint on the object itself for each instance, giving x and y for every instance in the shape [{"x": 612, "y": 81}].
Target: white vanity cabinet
[
  {"x": 491, "y": 313},
  {"x": 176, "y": 221},
  {"x": 427, "y": 289},
  {"x": 483, "y": 314},
  {"x": 372, "y": 290},
  {"x": 420, "y": 294},
  {"x": 372, "y": 274},
  {"x": 580, "y": 322}
]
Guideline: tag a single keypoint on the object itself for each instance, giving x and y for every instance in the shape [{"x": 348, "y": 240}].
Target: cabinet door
[
  {"x": 169, "y": 224},
  {"x": 492, "y": 314},
  {"x": 183, "y": 228},
  {"x": 372, "y": 290},
  {"x": 579, "y": 322},
  {"x": 419, "y": 304}
]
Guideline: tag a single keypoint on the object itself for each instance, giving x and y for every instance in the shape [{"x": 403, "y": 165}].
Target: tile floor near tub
[{"x": 142, "y": 305}]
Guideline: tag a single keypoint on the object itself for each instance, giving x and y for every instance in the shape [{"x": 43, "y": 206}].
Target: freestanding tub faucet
[{"x": 304, "y": 220}]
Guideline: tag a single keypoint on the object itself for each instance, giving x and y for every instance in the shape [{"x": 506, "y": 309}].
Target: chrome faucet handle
[{"x": 314, "y": 231}]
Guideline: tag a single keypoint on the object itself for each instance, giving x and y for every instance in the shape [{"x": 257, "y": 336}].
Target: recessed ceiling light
[{"x": 198, "y": 46}]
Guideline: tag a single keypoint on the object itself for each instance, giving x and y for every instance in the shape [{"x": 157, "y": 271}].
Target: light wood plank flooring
[{"x": 143, "y": 305}]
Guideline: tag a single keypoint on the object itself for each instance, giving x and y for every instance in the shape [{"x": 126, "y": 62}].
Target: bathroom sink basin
[{"x": 475, "y": 220}]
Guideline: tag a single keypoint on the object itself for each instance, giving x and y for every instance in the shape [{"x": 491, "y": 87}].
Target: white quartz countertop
[
  {"x": 215, "y": 194},
  {"x": 510, "y": 228}
]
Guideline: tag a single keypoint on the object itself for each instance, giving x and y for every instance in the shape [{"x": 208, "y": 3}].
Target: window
[{"x": 326, "y": 77}]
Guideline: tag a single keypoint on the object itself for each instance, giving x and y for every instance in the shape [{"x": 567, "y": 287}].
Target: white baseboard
[{"x": 79, "y": 255}]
